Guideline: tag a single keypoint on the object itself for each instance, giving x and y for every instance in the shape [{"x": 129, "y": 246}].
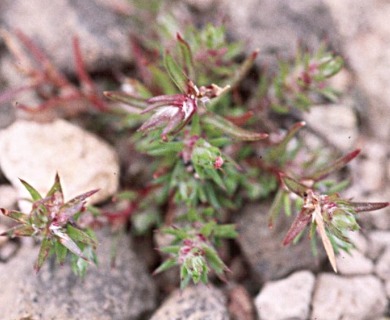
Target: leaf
[
  {"x": 56, "y": 187},
  {"x": 243, "y": 69},
  {"x": 167, "y": 264},
  {"x": 186, "y": 53},
  {"x": 299, "y": 224},
  {"x": 19, "y": 231},
  {"x": 337, "y": 165},
  {"x": 126, "y": 98},
  {"x": 15, "y": 215},
  {"x": 175, "y": 72},
  {"x": 35, "y": 195},
  {"x": 43, "y": 254},
  {"x": 67, "y": 242},
  {"x": 214, "y": 260},
  {"x": 61, "y": 252},
  {"x": 368, "y": 206},
  {"x": 324, "y": 237},
  {"x": 170, "y": 249},
  {"x": 81, "y": 236},
  {"x": 230, "y": 128},
  {"x": 294, "y": 186},
  {"x": 275, "y": 207}
]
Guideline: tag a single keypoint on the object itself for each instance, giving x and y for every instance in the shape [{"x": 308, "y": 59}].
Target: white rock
[
  {"x": 286, "y": 299},
  {"x": 382, "y": 267},
  {"x": 36, "y": 151},
  {"x": 355, "y": 298},
  {"x": 194, "y": 303},
  {"x": 337, "y": 123},
  {"x": 8, "y": 196},
  {"x": 354, "y": 263}
]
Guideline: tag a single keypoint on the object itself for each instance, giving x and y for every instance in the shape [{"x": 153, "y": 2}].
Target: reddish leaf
[
  {"x": 368, "y": 206},
  {"x": 299, "y": 224}
]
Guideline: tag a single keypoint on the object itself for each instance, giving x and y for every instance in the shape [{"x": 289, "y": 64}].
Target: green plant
[
  {"x": 54, "y": 221},
  {"x": 209, "y": 151}
]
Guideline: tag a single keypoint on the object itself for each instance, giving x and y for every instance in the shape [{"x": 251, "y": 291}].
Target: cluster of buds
[{"x": 173, "y": 112}]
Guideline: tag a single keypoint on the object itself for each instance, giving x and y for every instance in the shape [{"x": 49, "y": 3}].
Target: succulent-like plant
[{"x": 54, "y": 221}]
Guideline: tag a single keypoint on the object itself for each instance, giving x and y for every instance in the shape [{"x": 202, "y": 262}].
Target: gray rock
[
  {"x": 194, "y": 303},
  {"x": 289, "y": 298},
  {"x": 365, "y": 37},
  {"x": 354, "y": 298},
  {"x": 337, "y": 123},
  {"x": 276, "y": 27},
  {"x": 52, "y": 24},
  {"x": 36, "y": 151},
  {"x": 382, "y": 267},
  {"x": 263, "y": 247},
  {"x": 123, "y": 292}
]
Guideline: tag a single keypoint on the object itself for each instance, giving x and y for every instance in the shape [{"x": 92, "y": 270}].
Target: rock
[
  {"x": 193, "y": 303},
  {"x": 8, "y": 196},
  {"x": 286, "y": 299},
  {"x": 382, "y": 267},
  {"x": 240, "y": 304},
  {"x": 364, "y": 32},
  {"x": 354, "y": 298},
  {"x": 263, "y": 248},
  {"x": 277, "y": 27},
  {"x": 336, "y": 123},
  {"x": 103, "y": 35},
  {"x": 354, "y": 263},
  {"x": 378, "y": 242},
  {"x": 36, "y": 151},
  {"x": 123, "y": 292}
]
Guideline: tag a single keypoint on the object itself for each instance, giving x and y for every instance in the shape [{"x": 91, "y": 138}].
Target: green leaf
[
  {"x": 167, "y": 264},
  {"x": 214, "y": 260},
  {"x": 295, "y": 186},
  {"x": 170, "y": 249},
  {"x": 81, "y": 236},
  {"x": 15, "y": 215},
  {"x": 61, "y": 252},
  {"x": 230, "y": 128},
  {"x": 33, "y": 192},
  {"x": 275, "y": 207},
  {"x": 44, "y": 252},
  {"x": 226, "y": 231},
  {"x": 56, "y": 187},
  {"x": 175, "y": 72},
  {"x": 187, "y": 56},
  {"x": 19, "y": 231}
]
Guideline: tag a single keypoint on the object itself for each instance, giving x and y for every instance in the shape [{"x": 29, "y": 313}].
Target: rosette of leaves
[
  {"x": 54, "y": 221},
  {"x": 324, "y": 212}
]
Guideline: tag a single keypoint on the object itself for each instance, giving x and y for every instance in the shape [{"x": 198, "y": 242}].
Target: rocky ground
[{"x": 267, "y": 281}]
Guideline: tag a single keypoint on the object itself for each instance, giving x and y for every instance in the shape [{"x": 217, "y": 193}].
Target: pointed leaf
[
  {"x": 35, "y": 195},
  {"x": 126, "y": 98},
  {"x": 337, "y": 165},
  {"x": 43, "y": 254},
  {"x": 275, "y": 208},
  {"x": 61, "y": 252},
  {"x": 325, "y": 239},
  {"x": 80, "y": 236},
  {"x": 214, "y": 260},
  {"x": 167, "y": 264},
  {"x": 243, "y": 69},
  {"x": 187, "y": 56},
  {"x": 175, "y": 72},
  {"x": 15, "y": 215},
  {"x": 19, "y": 231},
  {"x": 231, "y": 129},
  {"x": 67, "y": 242},
  {"x": 368, "y": 206},
  {"x": 299, "y": 224},
  {"x": 295, "y": 186},
  {"x": 56, "y": 187}
]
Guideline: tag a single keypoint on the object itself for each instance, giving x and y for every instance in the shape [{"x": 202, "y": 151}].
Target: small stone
[
  {"x": 353, "y": 263},
  {"x": 240, "y": 304},
  {"x": 382, "y": 267},
  {"x": 102, "y": 34},
  {"x": 263, "y": 249},
  {"x": 35, "y": 152},
  {"x": 337, "y": 123},
  {"x": 105, "y": 293},
  {"x": 353, "y": 298},
  {"x": 286, "y": 299},
  {"x": 193, "y": 303}
]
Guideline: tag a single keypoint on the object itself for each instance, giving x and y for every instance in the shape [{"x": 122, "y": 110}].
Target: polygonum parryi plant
[
  {"x": 54, "y": 221},
  {"x": 328, "y": 214}
]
